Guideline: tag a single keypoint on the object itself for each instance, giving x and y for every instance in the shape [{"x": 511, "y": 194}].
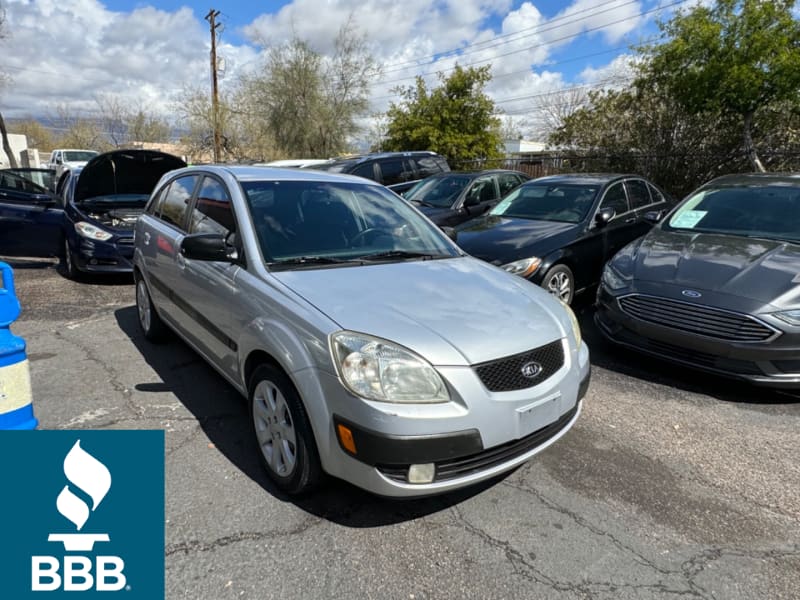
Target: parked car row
[{"x": 326, "y": 299}]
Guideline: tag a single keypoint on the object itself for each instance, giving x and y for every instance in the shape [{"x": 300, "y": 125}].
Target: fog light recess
[{"x": 423, "y": 473}]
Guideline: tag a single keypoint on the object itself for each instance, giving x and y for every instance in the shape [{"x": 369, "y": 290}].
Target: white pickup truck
[{"x": 64, "y": 159}]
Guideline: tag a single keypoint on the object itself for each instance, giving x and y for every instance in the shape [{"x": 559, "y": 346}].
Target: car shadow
[
  {"x": 606, "y": 355},
  {"x": 222, "y": 414}
]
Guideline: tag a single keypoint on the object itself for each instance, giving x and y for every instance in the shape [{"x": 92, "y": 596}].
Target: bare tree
[{"x": 551, "y": 109}]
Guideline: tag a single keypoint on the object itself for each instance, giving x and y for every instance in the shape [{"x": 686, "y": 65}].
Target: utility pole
[{"x": 211, "y": 17}]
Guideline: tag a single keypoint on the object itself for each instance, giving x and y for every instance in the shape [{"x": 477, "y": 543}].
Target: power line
[
  {"x": 541, "y": 28},
  {"x": 543, "y": 44}
]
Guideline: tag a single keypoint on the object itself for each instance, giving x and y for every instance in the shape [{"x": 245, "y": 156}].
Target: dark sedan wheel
[
  {"x": 70, "y": 268},
  {"x": 559, "y": 281},
  {"x": 151, "y": 324},
  {"x": 285, "y": 440}
]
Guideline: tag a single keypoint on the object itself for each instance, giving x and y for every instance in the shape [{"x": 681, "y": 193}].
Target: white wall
[{"x": 18, "y": 144}]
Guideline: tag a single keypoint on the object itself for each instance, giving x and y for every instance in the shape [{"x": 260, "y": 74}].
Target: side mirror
[
  {"x": 654, "y": 216},
  {"x": 603, "y": 216},
  {"x": 450, "y": 232},
  {"x": 207, "y": 246},
  {"x": 471, "y": 201}
]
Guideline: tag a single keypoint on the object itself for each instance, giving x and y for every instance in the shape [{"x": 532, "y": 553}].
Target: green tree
[
  {"x": 643, "y": 130},
  {"x": 307, "y": 104},
  {"x": 456, "y": 119},
  {"x": 734, "y": 57}
]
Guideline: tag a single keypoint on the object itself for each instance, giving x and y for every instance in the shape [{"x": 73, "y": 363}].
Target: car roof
[
  {"x": 253, "y": 173},
  {"x": 747, "y": 179},
  {"x": 582, "y": 178},
  {"x": 474, "y": 173}
]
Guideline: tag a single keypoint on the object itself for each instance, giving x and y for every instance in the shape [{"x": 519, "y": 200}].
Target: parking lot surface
[{"x": 671, "y": 484}]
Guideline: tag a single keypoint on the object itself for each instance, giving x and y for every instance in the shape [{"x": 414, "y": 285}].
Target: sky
[{"x": 62, "y": 55}]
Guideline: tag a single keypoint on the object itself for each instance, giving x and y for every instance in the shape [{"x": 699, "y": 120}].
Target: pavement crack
[{"x": 197, "y": 546}]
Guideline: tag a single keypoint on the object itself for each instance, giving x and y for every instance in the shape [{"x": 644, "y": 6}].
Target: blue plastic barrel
[{"x": 16, "y": 406}]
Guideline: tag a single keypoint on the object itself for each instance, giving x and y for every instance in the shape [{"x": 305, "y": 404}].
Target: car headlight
[
  {"x": 524, "y": 268},
  {"x": 792, "y": 317},
  {"x": 612, "y": 280},
  {"x": 576, "y": 327},
  {"x": 92, "y": 232},
  {"x": 379, "y": 370}
]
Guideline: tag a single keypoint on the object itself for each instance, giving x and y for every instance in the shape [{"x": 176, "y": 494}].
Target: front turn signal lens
[{"x": 346, "y": 438}]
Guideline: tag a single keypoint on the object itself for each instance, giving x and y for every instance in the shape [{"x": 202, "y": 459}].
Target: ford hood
[
  {"x": 758, "y": 269},
  {"x": 457, "y": 311}
]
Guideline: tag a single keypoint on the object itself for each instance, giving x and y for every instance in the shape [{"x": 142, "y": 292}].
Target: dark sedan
[
  {"x": 452, "y": 198},
  {"x": 716, "y": 285},
  {"x": 558, "y": 231},
  {"x": 90, "y": 222}
]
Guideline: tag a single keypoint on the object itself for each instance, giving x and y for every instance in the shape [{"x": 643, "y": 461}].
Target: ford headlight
[
  {"x": 612, "y": 280},
  {"x": 524, "y": 268},
  {"x": 576, "y": 327},
  {"x": 379, "y": 370},
  {"x": 792, "y": 317},
  {"x": 92, "y": 232}
]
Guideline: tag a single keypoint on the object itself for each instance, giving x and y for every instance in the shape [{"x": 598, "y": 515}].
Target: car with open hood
[
  {"x": 558, "y": 231},
  {"x": 715, "y": 285},
  {"x": 101, "y": 204},
  {"x": 453, "y": 197},
  {"x": 328, "y": 304}
]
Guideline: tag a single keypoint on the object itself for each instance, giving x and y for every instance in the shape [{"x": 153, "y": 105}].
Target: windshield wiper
[
  {"x": 423, "y": 203},
  {"x": 309, "y": 260},
  {"x": 402, "y": 254}
]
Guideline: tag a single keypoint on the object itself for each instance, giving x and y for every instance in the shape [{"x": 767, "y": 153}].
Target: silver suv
[{"x": 369, "y": 346}]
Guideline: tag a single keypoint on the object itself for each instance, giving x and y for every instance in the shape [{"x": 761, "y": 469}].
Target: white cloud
[{"x": 68, "y": 52}]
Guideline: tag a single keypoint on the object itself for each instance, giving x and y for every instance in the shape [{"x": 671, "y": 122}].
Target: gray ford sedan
[{"x": 369, "y": 346}]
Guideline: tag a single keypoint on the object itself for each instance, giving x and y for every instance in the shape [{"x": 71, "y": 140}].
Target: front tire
[
  {"x": 286, "y": 444},
  {"x": 150, "y": 323},
  {"x": 70, "y": 268},
  {"x": 560, "y": 282}
]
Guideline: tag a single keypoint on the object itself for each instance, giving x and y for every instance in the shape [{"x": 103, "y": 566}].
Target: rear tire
[
  {"x": 560, "y": 282},
  {"x": 286, "y": 444},
  {"x": 150, "y": 323}
]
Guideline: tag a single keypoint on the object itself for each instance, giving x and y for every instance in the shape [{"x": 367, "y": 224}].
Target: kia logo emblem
[
  {"x": 691, "y": 294},
  {"x": 531, "y": 370}
]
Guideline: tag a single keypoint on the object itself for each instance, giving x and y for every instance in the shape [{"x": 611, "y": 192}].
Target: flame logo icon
[
  {"x": 92, "y": 477},
  {"x": 88, "y": 474}
]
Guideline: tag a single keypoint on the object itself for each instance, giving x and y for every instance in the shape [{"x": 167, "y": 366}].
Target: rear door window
[
  {"x": 638, "y": 193},
  {"x": 395, "y": 170}
]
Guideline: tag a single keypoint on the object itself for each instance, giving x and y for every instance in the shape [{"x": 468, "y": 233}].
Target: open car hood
[{"x": 124, "y": 172}]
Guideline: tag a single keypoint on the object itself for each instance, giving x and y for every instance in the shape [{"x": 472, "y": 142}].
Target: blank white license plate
[{"x": 539, "y": 414}]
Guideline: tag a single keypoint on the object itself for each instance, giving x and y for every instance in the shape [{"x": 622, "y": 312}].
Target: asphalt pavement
[{"x": 671, "y": 484}]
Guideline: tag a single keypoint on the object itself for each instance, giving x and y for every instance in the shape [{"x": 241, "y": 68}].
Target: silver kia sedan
[{"x": 369, "y": 346}]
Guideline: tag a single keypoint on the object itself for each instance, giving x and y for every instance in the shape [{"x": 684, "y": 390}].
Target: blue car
[{"x": 89, "y": 221}]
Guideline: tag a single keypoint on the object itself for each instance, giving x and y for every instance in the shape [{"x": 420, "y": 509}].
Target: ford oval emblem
[
  {"x": 691, "y": 294},
  {"x": 531, "y": 369}
]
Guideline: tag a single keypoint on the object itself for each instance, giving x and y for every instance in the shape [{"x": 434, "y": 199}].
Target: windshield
[
  {"x": 440, "y": 192},
  {"x": 548, "y": 202},
  {"x": 303, "y": 220},
  {"x": 765, "y": 211},
  {"x": 79, "y": 155}
]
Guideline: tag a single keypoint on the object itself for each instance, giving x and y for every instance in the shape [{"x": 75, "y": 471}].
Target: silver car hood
[{"x": 458, "y": 311}]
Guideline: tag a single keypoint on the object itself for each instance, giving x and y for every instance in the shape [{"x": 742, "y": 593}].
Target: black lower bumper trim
[{"x": 375, "y": 448}]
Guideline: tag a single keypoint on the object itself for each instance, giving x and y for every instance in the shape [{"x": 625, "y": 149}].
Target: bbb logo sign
[
  {"x": 92, "y": 477},
  {"x": 86, "y": 516}
]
